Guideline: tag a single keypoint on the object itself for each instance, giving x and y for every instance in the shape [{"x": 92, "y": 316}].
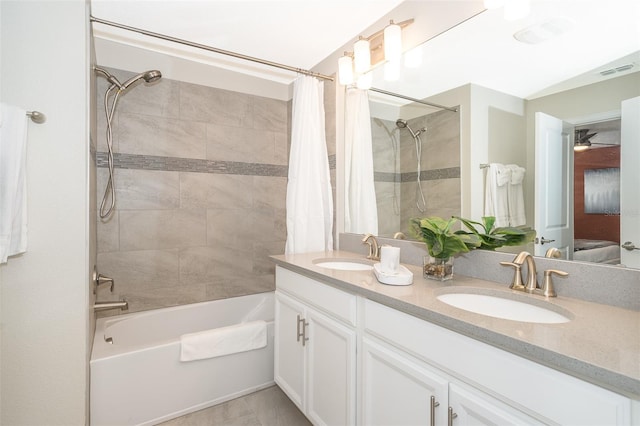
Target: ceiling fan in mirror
[{"x": 583, "y": 140}]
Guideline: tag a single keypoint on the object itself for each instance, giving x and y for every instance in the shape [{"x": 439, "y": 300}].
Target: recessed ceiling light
[{"x": 545, "y": 30}]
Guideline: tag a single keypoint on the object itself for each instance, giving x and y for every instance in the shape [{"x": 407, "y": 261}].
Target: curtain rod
[
  {"x": 384, "y": 92},
  {"x": 211, "y": 49}
]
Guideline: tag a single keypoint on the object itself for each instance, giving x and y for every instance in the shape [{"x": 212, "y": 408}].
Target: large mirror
[{"x": 572, "y": 60}]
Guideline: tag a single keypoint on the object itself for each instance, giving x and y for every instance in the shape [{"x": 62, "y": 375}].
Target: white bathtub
[{"x": 139, "y": 379}]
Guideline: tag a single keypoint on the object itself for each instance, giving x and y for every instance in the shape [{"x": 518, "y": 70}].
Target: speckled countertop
[{"x": 601, "y": 344}]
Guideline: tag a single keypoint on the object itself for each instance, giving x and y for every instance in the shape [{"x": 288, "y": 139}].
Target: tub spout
[{"x": 102, "y": 306}]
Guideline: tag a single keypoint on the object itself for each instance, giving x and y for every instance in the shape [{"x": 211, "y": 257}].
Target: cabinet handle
[
  {"x": 301, "y": 330},
  {"x": 304, "y": 332},
  {"x": 434, "y": 404},
  {"x": 452, "y": 416},
  {"x": 298, "y": 333}
]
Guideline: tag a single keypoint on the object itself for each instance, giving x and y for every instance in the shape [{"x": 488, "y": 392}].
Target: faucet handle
[
  {"x": 517, "y": 278},
  {"x": 547, "y": 285}
]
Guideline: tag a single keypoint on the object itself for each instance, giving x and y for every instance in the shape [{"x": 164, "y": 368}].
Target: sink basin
[
  {"x": 344, "y": 264},
  {"x": 506, "y": 306}
]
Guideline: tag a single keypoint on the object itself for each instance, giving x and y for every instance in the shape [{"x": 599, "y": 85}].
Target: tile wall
[
  {"x": 395, "y": 169},
  {"x": 200, "y": 178}
]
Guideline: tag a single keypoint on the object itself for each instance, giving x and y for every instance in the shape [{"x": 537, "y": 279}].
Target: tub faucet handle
[{"x": 99, "y": 279}]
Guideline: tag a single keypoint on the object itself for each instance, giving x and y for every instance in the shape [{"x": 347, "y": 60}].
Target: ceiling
[{"x": 304, "y": 33}]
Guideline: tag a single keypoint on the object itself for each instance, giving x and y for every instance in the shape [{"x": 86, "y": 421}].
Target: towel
[
  {"x": 496, "y": 201},
  {"x": 223, "y": 341},
  {"x": 517, "y": 215},
  {"x": 13, "y": 181}
]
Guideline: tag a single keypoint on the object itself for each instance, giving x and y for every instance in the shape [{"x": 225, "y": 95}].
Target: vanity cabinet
[
  {"x": 400, "y": 390},
  {"x": 344, "y": 359},
  {"x": 315, "y": 348},
  {"x": 487, "y": 385}
]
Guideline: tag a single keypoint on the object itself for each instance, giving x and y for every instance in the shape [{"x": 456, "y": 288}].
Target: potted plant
[
  {"x": 442, "y": 244},
  {"x": 491, "y": 238}
]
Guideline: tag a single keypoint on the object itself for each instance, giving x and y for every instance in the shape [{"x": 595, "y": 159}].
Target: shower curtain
[
  {"x": 309, "y": 194},
  {"x": 361, "y": 211}
]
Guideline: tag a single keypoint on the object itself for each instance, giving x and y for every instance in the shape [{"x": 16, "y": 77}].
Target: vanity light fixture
[
  {"x": 392, "y": 70},
  {"x": 362, "y": 55},
  {"x": 392, "y": 42},
  {"x": 345, "y": 69},
  {"x": 382, "y": 47}
]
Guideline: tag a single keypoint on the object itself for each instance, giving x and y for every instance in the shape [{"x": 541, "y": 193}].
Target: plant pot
[{"x": 438, "y": 269}]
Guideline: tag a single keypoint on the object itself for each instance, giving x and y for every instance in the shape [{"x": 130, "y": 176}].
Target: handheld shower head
[
  {"x": 147, "y": 76},
  {"x": 401, "y": 123}
]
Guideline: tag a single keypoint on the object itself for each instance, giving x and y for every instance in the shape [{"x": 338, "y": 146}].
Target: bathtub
[{"x": 136, "y": 373}]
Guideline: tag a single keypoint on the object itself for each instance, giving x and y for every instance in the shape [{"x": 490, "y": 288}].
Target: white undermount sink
[
  {"x": 344, "y": 264},
  {"x": 508, "y": 306}
]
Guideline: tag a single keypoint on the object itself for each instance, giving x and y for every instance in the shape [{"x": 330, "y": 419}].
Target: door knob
[
  {"x": 628, "y": 245},
  {"x": 543, "y": 240}
]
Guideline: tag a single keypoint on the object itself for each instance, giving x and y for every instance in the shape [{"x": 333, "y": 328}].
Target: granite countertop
[{"x": 601, "y": 344}]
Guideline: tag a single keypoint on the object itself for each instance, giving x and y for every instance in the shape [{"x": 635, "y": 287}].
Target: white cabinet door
[
  {"x": 470, "y": 407},
  {"x": 331, "y": 371},
  {"x": 289, "y": 369},
  {"x": 399, "y": 391}
]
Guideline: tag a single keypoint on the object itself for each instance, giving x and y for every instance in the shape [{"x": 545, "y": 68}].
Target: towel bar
[{"x": 37, "y": 116}]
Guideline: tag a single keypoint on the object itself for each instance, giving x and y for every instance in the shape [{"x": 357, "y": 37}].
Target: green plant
[
  {"x": 490, "y": 238},
  {"x": 442, "y": 242}
]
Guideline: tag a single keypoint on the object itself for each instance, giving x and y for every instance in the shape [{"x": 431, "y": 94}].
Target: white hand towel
[
  {"x": 13, "y": 181},
  {"x": 517, "y": 216},
  {"x": 223, "y": 341},
  {"x": 496, "y": 201}
]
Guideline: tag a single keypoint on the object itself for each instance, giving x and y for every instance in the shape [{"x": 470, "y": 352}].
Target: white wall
[{"x": 45, "y": 293}]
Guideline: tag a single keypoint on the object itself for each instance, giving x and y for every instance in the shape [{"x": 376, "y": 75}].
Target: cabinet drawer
[
  {"x": 555, "y": 396},
  {"x": 338, "y": 303}
]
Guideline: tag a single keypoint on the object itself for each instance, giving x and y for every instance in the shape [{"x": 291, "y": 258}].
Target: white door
[
  {"x": 553, "y": 185},
  {"x": 397, "y": 391},
  {"x": 331, "y": 364},
  {"x": 289, "y": 368},
  {"x": 630, "y": 182}
]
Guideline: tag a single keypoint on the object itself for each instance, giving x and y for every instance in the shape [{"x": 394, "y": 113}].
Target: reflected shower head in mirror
[
  {"x": 402, "y": 124},
  {"x": 147, "y": 76}
]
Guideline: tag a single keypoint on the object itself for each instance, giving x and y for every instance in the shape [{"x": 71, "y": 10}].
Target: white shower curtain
[
  {"x": 309, "y": 195},
  {"x": 361, "y": 212}
]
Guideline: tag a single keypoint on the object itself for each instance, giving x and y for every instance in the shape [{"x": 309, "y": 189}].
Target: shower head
[
  {"x": 402, "y": 124},
  {"x": 147, "y": 76}
]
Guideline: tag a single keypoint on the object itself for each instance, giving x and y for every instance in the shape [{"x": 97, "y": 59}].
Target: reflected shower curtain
[
  {"x": 361, "y": 211},
  {"x": 309, "y": 194}
]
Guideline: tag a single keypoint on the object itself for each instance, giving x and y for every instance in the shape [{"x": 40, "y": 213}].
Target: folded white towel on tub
[{"x": 223, "y": 341}]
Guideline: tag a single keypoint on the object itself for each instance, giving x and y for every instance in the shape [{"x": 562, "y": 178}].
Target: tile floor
[{"x": 268, "y": 407}]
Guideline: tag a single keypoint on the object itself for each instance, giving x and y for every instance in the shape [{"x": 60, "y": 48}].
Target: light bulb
[
  {"x": 516, "y": 9},
  {"x": 413, "y": 57},
  {"x": 392, "y": 42},
  {"x": 392, "y": 70},
  {"x": 365, "y": 81},
  {"x": 493, "y": 4},
  {"x": 362, "y": 55},
  {"x": 345, "y": 70}
]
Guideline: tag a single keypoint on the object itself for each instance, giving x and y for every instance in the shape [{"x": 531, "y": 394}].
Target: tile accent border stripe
[
  {"x": 195, "y": 165},
  {"x": 436, "y": 174}
]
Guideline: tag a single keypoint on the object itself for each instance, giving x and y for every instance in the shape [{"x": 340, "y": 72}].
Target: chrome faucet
[{"x": 374, "y": 247}]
